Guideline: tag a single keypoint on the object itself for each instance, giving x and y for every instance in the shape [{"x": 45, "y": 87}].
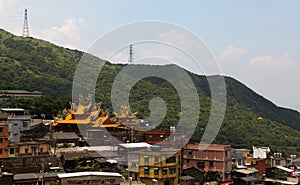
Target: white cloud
[
  {"x": 281, "y": 62},
  {"x": 232, "y": 52},
  {"x": 67, "y": 35}
]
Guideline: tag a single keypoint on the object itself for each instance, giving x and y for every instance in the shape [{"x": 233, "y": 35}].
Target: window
[
  {"x": 12, "y": 151},
  {"x": 1, "y": 129},
  {"x": 1, "y": 150},
  {"x": 33, "y": 149},
  {"x": 190, "y": 152},
  {"x": 26, "y": 150},
  {"x": 171, "y": 159},
  {"x": 187, "y": 161},
  {"x": 211, "y": 164},
  {"x": 156, "y": 171},
  {"x": 25, "y": 124},
  {"x": 1, "y": 139},
  {"x": 239, "y": 161},
  {"x": 165, "y": 171},
  {"x": 156, "y": 159},
  {"x": 200, "y": 164},
  {"x": 41, "y": 150},
  {"x": 146, "y": 159},
  {"x": 172, "y": 170},
  {"x": 146, "y": 170},
  {"x": 277, "y": 162}
]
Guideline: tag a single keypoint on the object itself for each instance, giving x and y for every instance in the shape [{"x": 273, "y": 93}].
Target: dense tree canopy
[{"x": 32, "y": 64}]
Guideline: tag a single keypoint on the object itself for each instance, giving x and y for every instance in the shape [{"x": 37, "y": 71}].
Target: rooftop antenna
[
  {"x": 130, "y": 60},
  {"x": 25, "y": 26}
]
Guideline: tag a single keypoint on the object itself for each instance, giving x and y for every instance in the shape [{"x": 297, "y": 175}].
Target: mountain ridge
[{"x": 32, "y": 64}]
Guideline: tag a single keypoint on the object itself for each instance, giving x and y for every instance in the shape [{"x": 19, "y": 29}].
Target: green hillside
[{"x": 32, "y": 64}]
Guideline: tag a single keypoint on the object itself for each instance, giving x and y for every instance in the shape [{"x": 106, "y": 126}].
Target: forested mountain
[{"x": 32, "y": 64}]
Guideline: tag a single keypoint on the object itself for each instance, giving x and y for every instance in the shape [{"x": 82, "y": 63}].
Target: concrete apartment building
[
  {"x": 17, "y": 121},
  {"x": 209, "y": 158}
]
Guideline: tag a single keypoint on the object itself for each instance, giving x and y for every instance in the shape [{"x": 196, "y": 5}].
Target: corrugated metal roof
[
  {"x": 284, "y": 169},
  {"x": 245, "y": 171},
  {"x": 25, "y": 176},
  {"x": 79, "y": 174}
]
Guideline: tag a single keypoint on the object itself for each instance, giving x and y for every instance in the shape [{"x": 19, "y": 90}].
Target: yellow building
[{"x": 160, "y": 166}]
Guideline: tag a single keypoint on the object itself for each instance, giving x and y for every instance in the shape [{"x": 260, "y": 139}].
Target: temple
[{"x": 86, "y": 117}]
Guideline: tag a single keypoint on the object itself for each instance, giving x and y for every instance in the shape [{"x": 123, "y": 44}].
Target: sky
[{"x": 256, "y": 42}]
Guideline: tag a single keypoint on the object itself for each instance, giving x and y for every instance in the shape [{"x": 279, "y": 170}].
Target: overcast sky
[{"x": 257, "y": 42}]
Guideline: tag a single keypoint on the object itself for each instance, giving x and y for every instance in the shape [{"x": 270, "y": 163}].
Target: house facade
[
  {"x": 4, "y": 135},
  {"x": 17, "y": 121},
  {"x": 30, "y": 148},
  {"x": 209, "y": 158},
  {"x": 160, "y": 167}
]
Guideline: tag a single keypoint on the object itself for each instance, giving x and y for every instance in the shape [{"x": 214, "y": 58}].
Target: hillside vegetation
[{"x": 32, "y": 64}]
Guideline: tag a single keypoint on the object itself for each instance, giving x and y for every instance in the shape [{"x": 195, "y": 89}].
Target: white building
[{"x": 260, "y": 152}]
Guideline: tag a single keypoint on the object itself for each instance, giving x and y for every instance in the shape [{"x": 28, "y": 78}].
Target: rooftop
[
  {"x": 64, "y": 135},
  {"x": 79, "y": 174},
  {"x": 206, "y": 146},
  {"x": 25, "y": 176},
  {"x": 284, "y": 169},
  {"x": 12, "y": 109},
  {"x": 246, "y": 171},
  {"x": 249, "y": 179},
  {"x": 187, "y": 177},
  {"x": 19, "y": 92},
  {"x": 135, "y": 145}
]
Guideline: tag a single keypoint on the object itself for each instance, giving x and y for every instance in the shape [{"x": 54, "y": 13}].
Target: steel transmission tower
[
  {"x": 25, "y": 26},
  {"x": 130, "y": 60}
]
